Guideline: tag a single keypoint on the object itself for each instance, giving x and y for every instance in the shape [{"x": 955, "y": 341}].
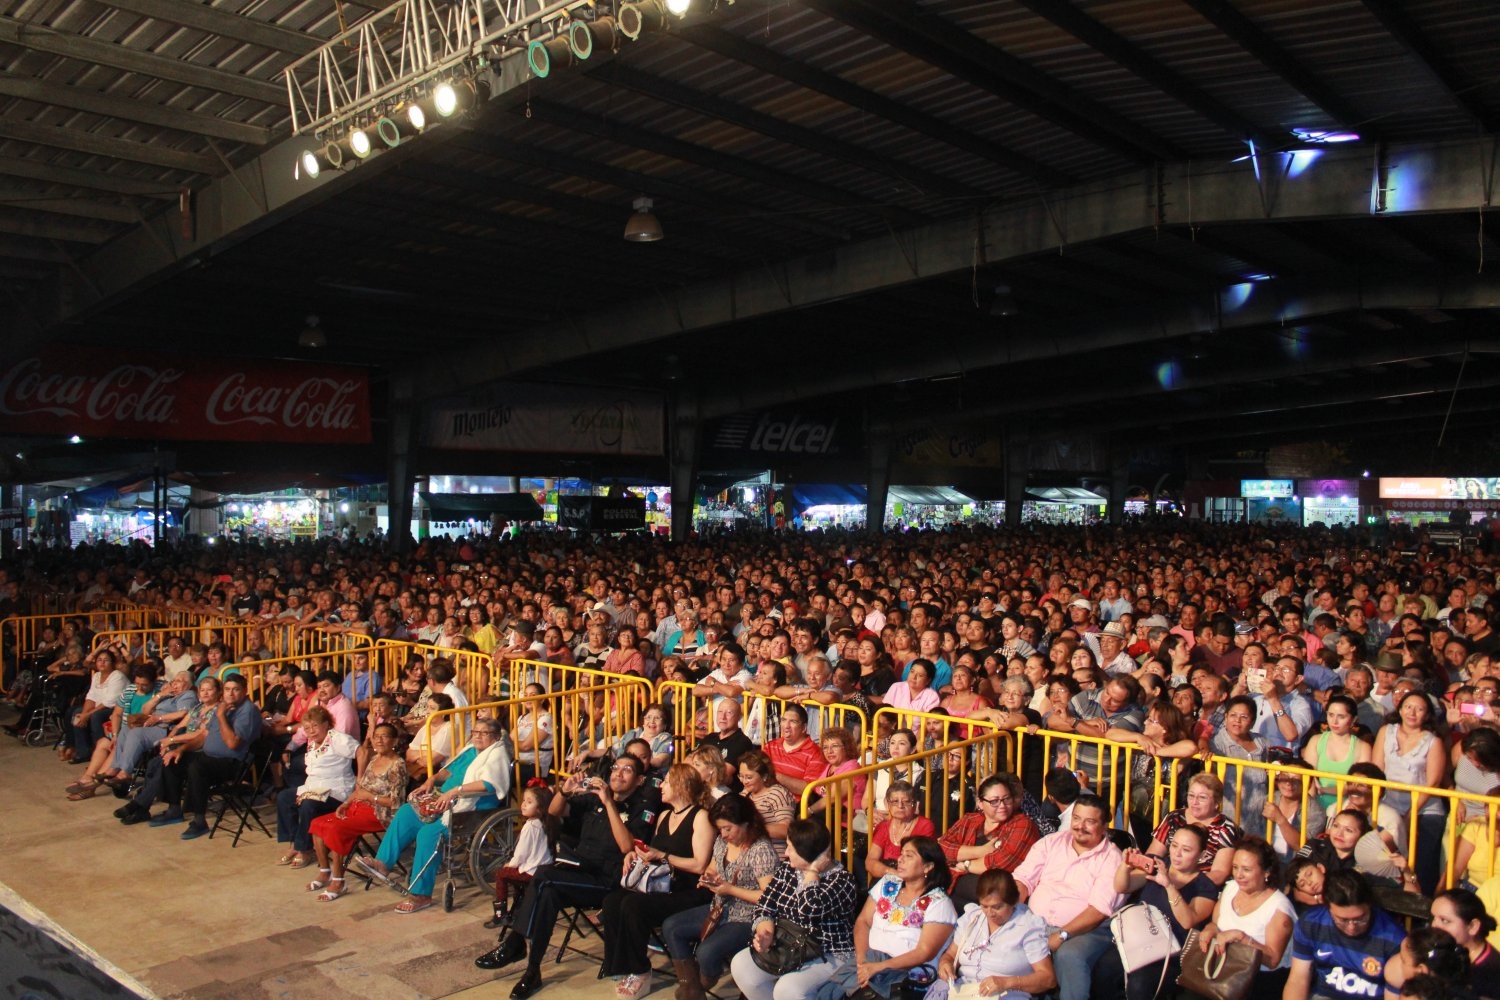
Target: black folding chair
[{"x": 243, "y": 794}]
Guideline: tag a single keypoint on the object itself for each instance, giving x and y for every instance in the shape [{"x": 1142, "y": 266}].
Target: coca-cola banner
[
  {"x": 561, "y": 419},
  {"x": 97, "y": 394}
]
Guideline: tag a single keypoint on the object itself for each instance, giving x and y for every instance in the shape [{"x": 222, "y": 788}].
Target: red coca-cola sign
[{"x": 171, "y": 398}]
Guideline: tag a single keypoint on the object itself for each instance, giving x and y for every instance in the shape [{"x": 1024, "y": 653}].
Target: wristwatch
[{"x": 1062, "y": 935}]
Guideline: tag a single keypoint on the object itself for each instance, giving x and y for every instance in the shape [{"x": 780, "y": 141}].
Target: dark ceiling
[{"x": 1037, "y": 214}]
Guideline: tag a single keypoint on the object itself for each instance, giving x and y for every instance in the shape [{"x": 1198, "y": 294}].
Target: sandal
[
  {"x": 634, "y": 985},
  {"x": 301, "y": 861},
  {"x": 287, "y": 858},
  {"x": 413, "y": 904},
  {"x": 329, "y": 894},
  {"x": 86, "y": 792},
  {"x": 320, "y": 883},
  {"x": 80, "y": 785}
]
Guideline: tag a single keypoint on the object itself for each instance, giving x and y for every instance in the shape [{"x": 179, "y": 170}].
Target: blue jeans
[
  {"x": 680, "y": 931},
  {"x": 1074, "y": 960}
]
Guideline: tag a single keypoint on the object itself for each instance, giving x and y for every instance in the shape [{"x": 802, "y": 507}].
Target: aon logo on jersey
[{"x": 1350, "y": 984}]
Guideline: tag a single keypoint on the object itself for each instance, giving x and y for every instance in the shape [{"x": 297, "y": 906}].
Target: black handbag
[{"x": 792, "y": 947}]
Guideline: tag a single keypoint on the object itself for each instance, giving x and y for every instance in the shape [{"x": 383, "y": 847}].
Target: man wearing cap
[
  {"x": 1109, "y": 645},
  {"x": 1081, "y": 615}
]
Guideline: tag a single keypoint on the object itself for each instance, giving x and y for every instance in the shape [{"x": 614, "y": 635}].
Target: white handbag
[{"x": 1143, "y": 934}]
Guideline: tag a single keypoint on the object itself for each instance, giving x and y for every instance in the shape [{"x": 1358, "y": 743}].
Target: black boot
[{"x": 512, "y": 948}]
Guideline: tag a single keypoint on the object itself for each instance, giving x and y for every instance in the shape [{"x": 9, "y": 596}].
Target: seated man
[
  {"x": 474, "y": 781},
  {"x": 1067, "y": 879},
  {"x": 611, "y": 816},
  {"x": 144, "y": 730},
  {"x": 227, "y": 736},
  {"x": 728, "y": 738},
  {"x": 1340, "y": 949}
]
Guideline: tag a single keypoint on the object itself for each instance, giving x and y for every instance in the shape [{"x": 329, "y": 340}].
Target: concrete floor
[{"x": 206, "y": 921}]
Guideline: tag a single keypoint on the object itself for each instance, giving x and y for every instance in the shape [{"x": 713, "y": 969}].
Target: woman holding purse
[
  {"x": 1253, "y": 911},
  {"x": 1179, "y": 891},
  {"x": 684, "y": 839}
]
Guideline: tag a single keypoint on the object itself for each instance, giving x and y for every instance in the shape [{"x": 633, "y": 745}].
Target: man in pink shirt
[{"x": 1068, "y": 880}]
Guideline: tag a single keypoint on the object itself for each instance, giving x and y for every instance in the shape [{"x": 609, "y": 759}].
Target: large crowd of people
[{"x": 1201, "y": 649}]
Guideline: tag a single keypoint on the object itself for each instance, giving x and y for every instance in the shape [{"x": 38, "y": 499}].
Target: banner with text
[
  {"x": 775, "y": 437},
  {"x": 560, "y": 419},
  {"x": 95, "y": 393},
  {"x": 970, "y": 446}
]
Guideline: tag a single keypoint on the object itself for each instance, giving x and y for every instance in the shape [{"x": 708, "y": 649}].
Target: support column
[
  {"x": 682, "y": 453},
  {"x": 204, "y": 510},
  {"x": 1016, "y": 461},
  {"x": 399, "y": 480},
  {"x": 1119, "y": 482},
  {"x": 878, "y": 484}
]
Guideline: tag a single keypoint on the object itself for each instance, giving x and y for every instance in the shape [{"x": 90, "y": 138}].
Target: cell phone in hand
[{"x": 1255, "y": 680}]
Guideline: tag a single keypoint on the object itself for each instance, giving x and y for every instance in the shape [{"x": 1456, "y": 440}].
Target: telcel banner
[
  {"x": 97, "y": 394},
  {"x": 566, "y": 419}
]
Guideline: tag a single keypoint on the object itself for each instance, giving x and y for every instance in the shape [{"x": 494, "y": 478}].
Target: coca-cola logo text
[
  {"x": 313, "y": 403},
  {"x": 133, "y": 393}
]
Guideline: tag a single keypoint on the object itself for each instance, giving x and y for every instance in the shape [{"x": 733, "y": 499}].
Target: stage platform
[{"x": 93, "y": 909}]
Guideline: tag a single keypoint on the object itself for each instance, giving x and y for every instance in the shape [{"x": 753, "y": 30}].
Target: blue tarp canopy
[{"x": 828, "y": 494}]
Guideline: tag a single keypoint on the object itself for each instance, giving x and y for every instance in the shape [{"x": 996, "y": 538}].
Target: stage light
[
  {"x": 401, "y": 125},
  {"x": 416, "y": 116},
  {"x": 445, "y": 100},
  {"x": 360, "y": 145},
  {"x": 641, "y": 16},
  {"x": 307, "y": 161},
  {"x": 544, "y": 57},
  {"x": 458, "y": 97},
  {"x": 679, "y": 8}
]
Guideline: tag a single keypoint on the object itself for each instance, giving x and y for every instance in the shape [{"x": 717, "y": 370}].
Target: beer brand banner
[
  {"x": 97, "y": 394},
  {"x": 970, "y": 446},
  {"x": 562, "y": 419}
]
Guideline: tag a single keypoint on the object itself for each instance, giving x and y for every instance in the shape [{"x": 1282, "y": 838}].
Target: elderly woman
[
  {"x": 146, "y": 728},
  {"x": 901, "y": 822},
  {"x": 653, "y": 729},
  {"x": 376, "y": 796},
  {"x": 907, "y": 920},
  {"x": 840, "y": 754},
  {"x": 816, "y": 893},
  {"x": 1205, "y": 803},
  {"x": 741, "y": 868},
  {"x": 474, "y": 781},
  {"x": 1000, "y": 945},
  {"x": 330, "y": 778},
  {"x": 684, "y": 839}
]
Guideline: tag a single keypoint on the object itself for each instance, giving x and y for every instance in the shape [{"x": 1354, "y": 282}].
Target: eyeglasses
[
  {"x": 624, "y": 767},
  {"x": 491, "y": 733},
  {"x": 998, "y": 801}
]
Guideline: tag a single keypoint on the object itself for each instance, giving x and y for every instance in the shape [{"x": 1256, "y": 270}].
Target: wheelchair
[
  {"x": 45, "y": 726},
  {"x": 478, "y": 845}
]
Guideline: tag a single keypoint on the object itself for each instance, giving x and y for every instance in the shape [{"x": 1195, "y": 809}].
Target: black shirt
[
  {"x": 733, "y": 746},
  {"x": 596, "y": 839}
]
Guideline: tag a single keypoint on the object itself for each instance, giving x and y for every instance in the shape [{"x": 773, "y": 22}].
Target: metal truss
[{"x": 388, "y": 56}]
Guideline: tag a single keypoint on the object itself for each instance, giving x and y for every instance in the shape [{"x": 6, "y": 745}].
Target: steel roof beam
[
  {"x": 1067, "y": 16},
  {"x": 131, "y": 109},
  {"x": 32, "y": 227},
  {"x": 1465, "y": 92},
  {"x": 1248, "y": 36},
  {"x": 94, "y": 180},
  {"x": 149, "y": 64},
  {"x": 637, "y": 137},
  {"x": 82, "y": 208},
  {"x": 922, "y": 182},
  {"x": 115, "y": 149},
  {"x": 240, "y": 27},
  {"x": 982, "y": 65},
  {"x": 1442, "y": 178},
  {"x": 811, "y": 78}
]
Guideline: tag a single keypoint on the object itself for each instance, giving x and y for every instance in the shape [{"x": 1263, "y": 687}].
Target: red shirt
[{"x": 804, "y": 763}]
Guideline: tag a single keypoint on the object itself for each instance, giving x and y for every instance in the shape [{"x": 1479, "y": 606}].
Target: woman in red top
[
  {"x": 903, "y": 822},
  {"x": 997, "y": 836}
]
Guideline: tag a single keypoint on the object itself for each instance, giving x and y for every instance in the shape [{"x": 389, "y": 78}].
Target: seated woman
[
  {"x": 901, "y": 822},
  {"x": 997, "y": 836},
  {"x": 1000, "y": 945},
  {"x": 1178, "y": 890},
  {"x": 1253, "y": 911},
  {"x": 741, "y": 868},
  {"x": 438, "y": 737},
  {"x": 916, "y": 691},
  {"x": 330, "y": 780},
  {"x": 815, "y": 892},
  {"x": 474, "y": 781},
  {"x": 1461, "y": 914},
  {"x": 841, "y": 754},
  {"x": 684, "y": 839},
  {"x": 85, "y": 726},
  {"x": 1352, "y": 843},
  {"x": 533, "y": 735},
  {"x": 903, "y": 743},
  {"x": 376, "y": 796},
  {"x": 907, "y": 920},
  {"x": 653, "y": 729},
  {"x": 774, "y": 803},
  {"x": 1205, "y": 800},
  {"x": 143, "y": 689}
]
